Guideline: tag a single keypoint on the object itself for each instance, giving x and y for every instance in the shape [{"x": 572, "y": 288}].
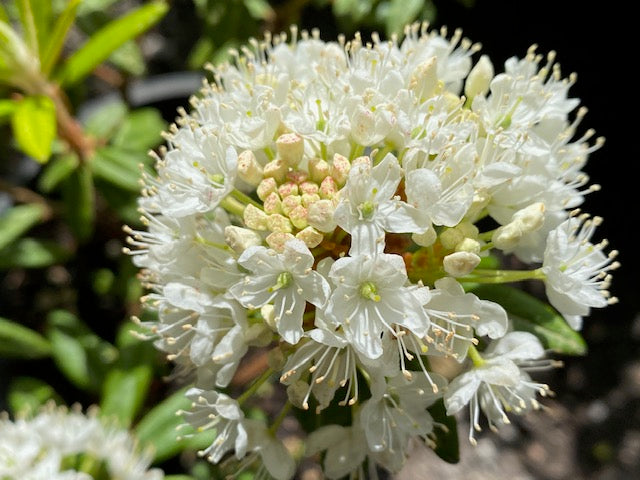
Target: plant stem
[{"x": 249, "y": 392}]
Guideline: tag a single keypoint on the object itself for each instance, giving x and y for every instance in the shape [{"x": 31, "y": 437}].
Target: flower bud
[
  {"x": 424, "y": 79},
  {"x": 290, "y": 202},
  {"x": 328, "y": 188},
  {"x": 290, "y": 148},
  {"x": 479, "y": 78},
  {"x": 288, "y": 188},
  {"x": 277, "y": 240},
  {"x": 310, "y": 236},
  {"x": 320, "y": 216},
  {"x": 318, "y": 169},
  {"x": 239, "y": 239},
  {"x": 277, "y": 169},
  {"x": 279, "y": 223},
  {"x": 249, "y": 169},
  {"x": 272, "y": 204},
  {"x": 269, "y": 316},
  {"x": 426, "y": 238},
  {"x": 468, "y": 245},
  {"x": 266, "y": 186},
  {"x": 340, "y": 169},
  {"x": 531, "y": 217},
  {"x": 451, "y": 237},
  {"x": 459, "y": 264},
  {"x": 255, "y": 218},
  {"x": 298, "y": 217}
]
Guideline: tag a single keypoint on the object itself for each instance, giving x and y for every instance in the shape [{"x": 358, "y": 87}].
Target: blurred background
[{"x": 62, "y": 274}]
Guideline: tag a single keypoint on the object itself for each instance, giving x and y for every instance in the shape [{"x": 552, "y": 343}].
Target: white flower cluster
[
  {"x": 65, "y": 444},
  {"x": 331, "y": 201}
]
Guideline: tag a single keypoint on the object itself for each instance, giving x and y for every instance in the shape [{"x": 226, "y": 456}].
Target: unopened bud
[
  {"x": 279, "y": 223},
  {"x": 340, "y": 169},
  {"x": 426, "y": 238},
  {"x": 320, "y": 216},
  {"x": 239, "y": 239},
  {"x": 249, "y": 169},
  {"x": 277, "y": 169},
  {"x": 272, "y": 204},
  {"x": 277, "y": 240},
  {"x": 318, "y": 169},
  {"x": 288, "y": 188},
  {"x": 309, "y": 198},
  {"x": 269, "y": 316},
  {"x": 479, "y": 78},
  {"x": 459, "y": 264},
  {"x": 468, "y": 245},
  {"x": 290, "y": 148},
  {"x": 451, "y": 237},
  {"x": 266, "y": 186},
  {"x": 309, "y": 188},
  {"x": 298, "y": 217},
  {"x": 530, "y": 217},
  {"x": 255, "y": 218},
  {"x": 297, "y": 176},
  {"x": 290, "y": 202},
  {"x": 507, "y": 236},
  {"x": 328, "y": 188},
  {"x": 424, "y": 79},
  {"x": 310, "y": 236}
]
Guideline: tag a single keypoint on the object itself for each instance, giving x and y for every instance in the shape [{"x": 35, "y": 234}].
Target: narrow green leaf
[
  {"x": 56, "y": 40},
  {"x": 106, "y": 40},
  {"x": 129, "y": 58},
  {"x": 124, "y": 392},
  {"x": 81, "y": 355},
  {"x": 33, "y": 253},
  {"x": 140, "y": 131},
  {"x": 17, "y": 220},
  {"x": 3, "y": 15},
  {"x": 118, "y": 167},
  {"x": 105, "y": 119},
  {"x": 447, "y": 444},
  {"x": 259, "y": 9},
  {"x": 78, "y": 196},
  {"x": 27, "y": 19},
  {"x": 18, "y": 341},
  {"x": 42, "y": 13},
  {"x": 159, "y": 429},
  {"x": 57, "y": 171},
  {"x": 398, "y": 13},
  {"x": 27, "y": 394},
  {"x": 535, "y": 316},
  {"x": 34, "y": 126}
]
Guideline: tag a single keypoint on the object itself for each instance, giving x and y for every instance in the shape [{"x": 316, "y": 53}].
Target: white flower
[
  {"x": 211, "y": 409},
  {"x": 284, "y": 279},
  {"x": 371, "y": 296},
  {"x": 500, "y": 383},
  {"x": 397, "y": 412},
  {"x": 44, "y": 446},
  {"x": 369, "y": 207},
  {"x": 456, "y": 317},
  {"x": 577, "y": 270}
]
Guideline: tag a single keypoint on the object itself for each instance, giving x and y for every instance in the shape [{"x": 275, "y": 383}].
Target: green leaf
[
  {"x": 27, "y": 394},
  {"x": 27, "y": 19},
  {"x": 42, "y": 14},
  {"x": 34, "y": 126},
  {"x": 447, "y": 444},
  {"x": 105, "y": 120},
  {"x": 106, "y": 40},
  {"x": 259, "y": 9},
  {"x": 33, "y": 253},
  {"x": 535, "y": 316},
  {"x": 159, "y": 428},
  {"x": 17, "y": 220},
  {"x": 57, "y": 171},
  {"x": 81, "y": 355},
  {"x": 56, "y": 40},
  {"x": 398, "y": 13},
  {"x": 118, "y": 167},
  {"x": 129, "y": 58},
  {"x": 140, "y": 131},
  {"x": 127, "y": 383},
  {"x": 78, "y": 197},
  {"x": 18, "y": 341}
]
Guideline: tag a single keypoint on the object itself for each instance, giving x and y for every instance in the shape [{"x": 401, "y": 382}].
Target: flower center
[
  {"x": 370, "y": 291},
  {"x": 366, "y": 210},
  {"x": 283, "y": 281}
]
